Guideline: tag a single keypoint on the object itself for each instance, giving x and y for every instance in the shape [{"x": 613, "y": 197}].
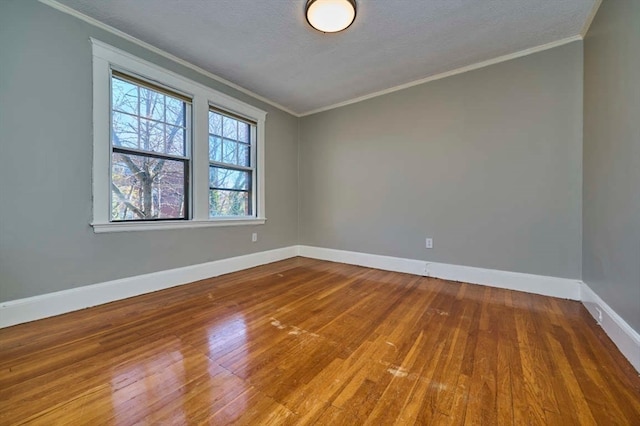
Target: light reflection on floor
[
  {"x": 229, "y": 334},
  {"x": 136, "y": 388}
]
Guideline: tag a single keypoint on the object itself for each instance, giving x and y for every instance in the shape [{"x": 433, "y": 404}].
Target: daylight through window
[
  {"x": 150, "y": 151},
  {"x": 230, "y": 165}
]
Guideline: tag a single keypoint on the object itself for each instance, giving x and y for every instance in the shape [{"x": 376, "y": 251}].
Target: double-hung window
[
  {"x": 169, "y": 152},
  {"x": 231, "y": 165},
  {"x": 150, "y": 151}
]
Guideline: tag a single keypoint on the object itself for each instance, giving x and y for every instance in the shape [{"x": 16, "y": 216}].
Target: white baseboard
[
  {"x": 564, "y": 288},
  {"x": 621, "y": 333},
  {"x": 618, "y": 330},
  {"x": 538, "y": 284},
  {"x": 386, "y": 263},
  {"x": 51, "y": 304}
]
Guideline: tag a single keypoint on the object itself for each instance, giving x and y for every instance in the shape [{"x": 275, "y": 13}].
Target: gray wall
[
  {"x": 611, "y": 250},
  {"x": 46, "y": 243},
  {"x": 488, "y": 163}
]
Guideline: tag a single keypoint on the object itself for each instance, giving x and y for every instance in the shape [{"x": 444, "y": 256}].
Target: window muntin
[
  {"x": 231, "y": 165},
  {"x": 150, "y": 152}
]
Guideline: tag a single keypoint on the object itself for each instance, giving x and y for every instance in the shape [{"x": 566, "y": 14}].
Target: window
[
  {"x": 231, "y": 170},
  {"x": 170, "y": 152},
  {"x": 150, "y": 150}
]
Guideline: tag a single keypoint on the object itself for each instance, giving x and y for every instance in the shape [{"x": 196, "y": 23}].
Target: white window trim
[{"x": 105, "y": 57}]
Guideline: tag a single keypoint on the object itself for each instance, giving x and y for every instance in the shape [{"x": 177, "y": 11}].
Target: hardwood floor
[{"x": 310, "y": 342}]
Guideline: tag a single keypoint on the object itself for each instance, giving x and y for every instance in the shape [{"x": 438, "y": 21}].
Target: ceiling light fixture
[{"x": 331, "y": 16}]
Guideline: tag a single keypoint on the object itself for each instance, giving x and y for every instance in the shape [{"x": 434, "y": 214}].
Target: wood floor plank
[{"x": 305, "y": 342}]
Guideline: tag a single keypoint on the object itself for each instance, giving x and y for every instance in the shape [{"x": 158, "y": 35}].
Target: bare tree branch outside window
[
  {"x": 149, "y": 157},
  {"x": 230, "y": 167}
]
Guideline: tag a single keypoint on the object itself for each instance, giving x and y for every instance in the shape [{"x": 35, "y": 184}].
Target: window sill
[{"x": 100, "y": 228}]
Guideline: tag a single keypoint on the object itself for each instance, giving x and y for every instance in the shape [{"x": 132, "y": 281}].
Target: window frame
[
  {"x": 230, "y": 166},
  {"x": 105, "y": 58}
]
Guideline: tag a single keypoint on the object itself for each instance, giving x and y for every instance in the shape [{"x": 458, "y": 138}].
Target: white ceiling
[{"x": 267, "y": 46}]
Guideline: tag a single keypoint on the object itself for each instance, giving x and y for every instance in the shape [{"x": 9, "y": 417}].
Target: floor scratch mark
[
  {"x": 398, "y": 372},
  {"x": 277, "y": 324},
  {"x": 296, "y": 331}
]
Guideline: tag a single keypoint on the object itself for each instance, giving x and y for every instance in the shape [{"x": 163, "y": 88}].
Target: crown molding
[
  {"x": 65, "y": 9},
  {"x": 446, "y": 74},
  {"x": 69, "y": 11},
  {"x": 589, "y": 21}
]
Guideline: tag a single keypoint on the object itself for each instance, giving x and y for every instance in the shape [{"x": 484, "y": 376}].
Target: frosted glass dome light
[{"x": 331, "y": 16}]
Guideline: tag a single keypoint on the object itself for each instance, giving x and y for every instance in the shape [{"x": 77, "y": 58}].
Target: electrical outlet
[
  {"x": 429, "y": 243},
  {"x": 254, "y": 237}
]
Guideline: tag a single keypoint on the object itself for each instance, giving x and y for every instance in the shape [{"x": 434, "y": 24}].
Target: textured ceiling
[{"x": 267, "y": 46}]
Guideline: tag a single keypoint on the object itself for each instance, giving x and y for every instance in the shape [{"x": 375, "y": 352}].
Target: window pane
[
  {"x": 175, "y": 140},
  {"x": 215, "y": 123},
  {"x": 229, "y": 179},
  {"x": 146, "y": 188},
  {"x": 151, "y": 104},
  {"x": 244, "y": 152},
  {"x": 229, "y": 128},
  {"x": 229, "y": 152},
  {"x": 175, "y": 111},
  {"x": 243, "y": 132},
  {"x": 152, "y": 136},
  {"x": 124, "y": 130},
  {"x": 228, "y": 203},
  {"x": 215, "y": 148},
  {"x": 124, "y": 96},
  {"x": 156, "y": 123}
]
